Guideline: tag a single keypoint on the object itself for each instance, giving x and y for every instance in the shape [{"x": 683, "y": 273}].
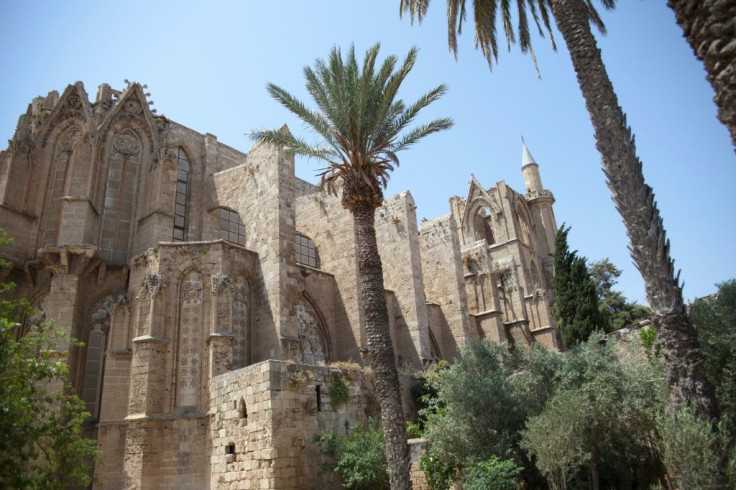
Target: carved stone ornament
[
  {"x": 127, "y": 144},
  {"x": 102, "y": 312},
  {"x": 221, "y": 282},
  {"x": 74, "y": 101},
  {"x": 133, "y": 106},
  {"x": 154, "y": 283},
  {"x": 67, "y": 140}
]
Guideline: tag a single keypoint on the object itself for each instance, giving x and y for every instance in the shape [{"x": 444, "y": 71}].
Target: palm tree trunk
[
  {"x": 708, "y": 25},
  {"x": 381, "y": 351},
  {"x": 635, "y": 202}
]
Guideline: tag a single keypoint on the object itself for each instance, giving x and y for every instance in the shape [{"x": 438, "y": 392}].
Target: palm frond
[
  {"x": 359, "y": 119},
  {"x": 485, "y": 15},
  {"x": 420, "y": 132}
]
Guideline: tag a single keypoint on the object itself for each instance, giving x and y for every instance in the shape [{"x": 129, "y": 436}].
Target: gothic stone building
[{"x": 212, "y": 288}]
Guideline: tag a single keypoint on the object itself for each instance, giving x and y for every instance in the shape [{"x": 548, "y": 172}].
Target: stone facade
[{"x": 213, "y": 289}]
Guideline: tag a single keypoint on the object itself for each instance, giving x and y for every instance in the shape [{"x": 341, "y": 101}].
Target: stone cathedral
[{"x": 214, "y": 290}]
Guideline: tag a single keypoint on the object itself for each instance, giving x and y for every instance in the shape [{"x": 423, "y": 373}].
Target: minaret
[
  {"x": 530, "y": 169},
  {"x": 540, "y": 202}
]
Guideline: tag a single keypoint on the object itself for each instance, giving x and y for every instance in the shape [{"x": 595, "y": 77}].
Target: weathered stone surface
[{"x": 211, "y": 287}]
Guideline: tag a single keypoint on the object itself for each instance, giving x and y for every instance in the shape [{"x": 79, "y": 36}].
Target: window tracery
[
  {"x": 57, "y": 183},
  {"x": 312, "y": 339},
  {"x": 118, "y": 212},
  {"x": 95, "y": 360}
]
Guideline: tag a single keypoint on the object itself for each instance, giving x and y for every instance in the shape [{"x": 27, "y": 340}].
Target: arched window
[
  {"x": 57, "y": 182},
  {"x": 306, "y": 251},
  {"x": 181, "y": 205},
  {"x": 190, "y": 340},
  {"x": 118, "y": 213},
  {"x": 482, "y": 226},
  {"x": 93, "y": 370},
  {"x": 312, "y": 337},
  {"x": 94, "y": 363},
  {"x": 232, "y": 228}
]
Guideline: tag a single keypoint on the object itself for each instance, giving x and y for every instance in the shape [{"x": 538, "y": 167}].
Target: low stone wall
[{"x": 263, "y": 420}]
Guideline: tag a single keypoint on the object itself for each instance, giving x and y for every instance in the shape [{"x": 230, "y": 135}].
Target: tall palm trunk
[
  {"x": 635, "y": 202},
  {"x": 381, "y": 351},
  {"x": 709, "y": 27}
]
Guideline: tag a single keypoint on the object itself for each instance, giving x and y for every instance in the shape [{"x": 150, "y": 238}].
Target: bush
[
  {"x": 600, "y": 419},
  {"x": 340, "y": 391},
  {"x": 693, "y": 450},
  {"x": 493, "y": 474},
  {"x": 357, "y": 458}
]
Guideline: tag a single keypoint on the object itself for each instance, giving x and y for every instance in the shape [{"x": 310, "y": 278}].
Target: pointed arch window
[
  {"x": 312, "y": 336},
  {"x": 93, "y": 370},
  {"x": 95, "y": 359},
  {"x": 118, "y": 213},
  {"x": 306, "y": 251},
  {"x": 181, "y": 205},
  {"x": 482, "y": 226},
  {"x": 232, "y": 228},
  {"x": 57, "y": 182}
]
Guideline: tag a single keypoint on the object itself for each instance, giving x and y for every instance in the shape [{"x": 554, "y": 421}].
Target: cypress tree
[{"x": 575, "y": 309}]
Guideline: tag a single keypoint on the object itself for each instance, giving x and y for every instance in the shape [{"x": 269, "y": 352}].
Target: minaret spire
[
  {"x": 526, "y": 156},
  {"x": 530, "y": 169}
]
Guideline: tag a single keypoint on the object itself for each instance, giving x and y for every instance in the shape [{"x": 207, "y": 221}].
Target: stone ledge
[{"x": 151, "y": 338}]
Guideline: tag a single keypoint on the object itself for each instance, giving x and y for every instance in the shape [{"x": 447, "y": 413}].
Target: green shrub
[
  {"x": 357, "y": 458},
  {"x": 693, "y": 450},
  {"x": 438, "y": 469},
  {"x": 493, "y": 474},
  {"x": 340, "y": 391},
  {"x": 649, "y": 343}
]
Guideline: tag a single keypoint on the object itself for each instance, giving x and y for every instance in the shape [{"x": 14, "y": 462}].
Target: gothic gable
[
  {"x": 73, "y": 108},
  {"x": 131, "y": 110}
]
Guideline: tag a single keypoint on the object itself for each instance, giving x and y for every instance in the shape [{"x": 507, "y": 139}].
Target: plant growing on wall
[{"x": 340, "y": 391}]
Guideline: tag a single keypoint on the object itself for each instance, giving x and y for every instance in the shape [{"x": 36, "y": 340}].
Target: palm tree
[
  {"x": 634, "y": 199},
  {"x": 362, "y": 125},
  {"x": 708, "y": 27}
]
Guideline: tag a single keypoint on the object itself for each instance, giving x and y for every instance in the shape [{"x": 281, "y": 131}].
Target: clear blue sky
[{"x": 206, "y": 65}]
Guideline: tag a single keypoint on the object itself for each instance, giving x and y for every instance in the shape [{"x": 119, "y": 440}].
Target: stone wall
[
  {"x": 264, "y": 419},
  {"x": 444, "y": 285}
]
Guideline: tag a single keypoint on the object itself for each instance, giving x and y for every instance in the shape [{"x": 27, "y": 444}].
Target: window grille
[
  {"x": 306, "y": 251},
  {"x": 181, "y": 206},
  {"x": 232, "y": 228}
]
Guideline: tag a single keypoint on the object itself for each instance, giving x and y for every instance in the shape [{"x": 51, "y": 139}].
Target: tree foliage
[
  {"x": 357, "y": 458},
  {"x": 576, "y": 308},
  {"x": 599, "y": 419},
  {"x": 714, "y": 317},
  {"x": 41, "y": 417},
  {"x": 696, "y": 453},
  {"x": 483, "y": 401},
  {"x": 616, "y": 311},
  {"x": 566, "y": 417},
  {"x": 493, "y": 474}
]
